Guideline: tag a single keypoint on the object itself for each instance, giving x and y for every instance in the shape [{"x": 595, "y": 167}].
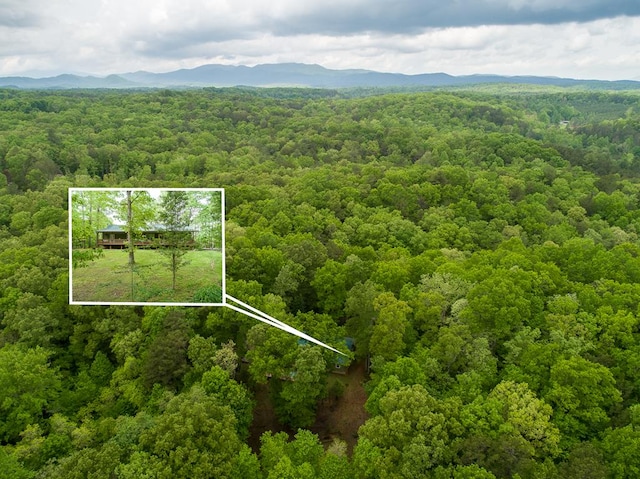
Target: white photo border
[{"x": 145, "y": 303}]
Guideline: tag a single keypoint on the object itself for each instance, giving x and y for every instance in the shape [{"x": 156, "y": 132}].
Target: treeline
[{"x": 482, "y": 251}]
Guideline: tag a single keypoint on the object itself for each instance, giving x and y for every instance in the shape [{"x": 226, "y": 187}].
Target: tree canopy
[{"x": 478, "y": 247}]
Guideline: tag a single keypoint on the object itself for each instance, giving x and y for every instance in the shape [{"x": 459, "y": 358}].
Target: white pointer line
[
  {"x": 265, "y": 318},
  {"x": 258, "y": 312}
]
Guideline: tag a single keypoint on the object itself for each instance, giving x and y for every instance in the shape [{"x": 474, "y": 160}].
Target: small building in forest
[
  {"x": 154, "y": 236},
  {"x": 341, "y": 366},
  {"x": 342, "y": 363}
]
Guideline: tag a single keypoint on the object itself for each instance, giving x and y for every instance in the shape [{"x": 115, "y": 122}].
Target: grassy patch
[{"x": 109, "y": 278}]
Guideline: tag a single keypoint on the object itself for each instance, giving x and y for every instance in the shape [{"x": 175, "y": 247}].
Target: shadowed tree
[
  {"x": 166, "y": 359},
  {"x": 28, "y": 387},
  {"x": 297, "y": 398}
]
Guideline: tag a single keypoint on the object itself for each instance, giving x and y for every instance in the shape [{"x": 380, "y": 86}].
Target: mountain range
[{"x": 290, "y": 75}]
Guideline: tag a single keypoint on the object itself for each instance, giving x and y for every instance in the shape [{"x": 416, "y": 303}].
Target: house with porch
[{"x": 115, "y": 237}]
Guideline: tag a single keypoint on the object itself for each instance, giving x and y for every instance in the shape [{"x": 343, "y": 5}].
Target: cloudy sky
[{"x": 570, "y": 38}]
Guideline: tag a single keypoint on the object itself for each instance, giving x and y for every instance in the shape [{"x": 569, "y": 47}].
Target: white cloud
[{"x": 114, "y": 36}]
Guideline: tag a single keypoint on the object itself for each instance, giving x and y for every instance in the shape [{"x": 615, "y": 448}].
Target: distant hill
[
  {"x": 291, "y": 74},
  {"x": 67, "y": 81}
]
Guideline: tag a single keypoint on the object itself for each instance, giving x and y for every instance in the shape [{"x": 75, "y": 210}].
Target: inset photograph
[{"x": 146, "y": 246}]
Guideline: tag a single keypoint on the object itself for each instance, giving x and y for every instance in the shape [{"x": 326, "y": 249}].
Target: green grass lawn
[{"x": 109, "y": 279}]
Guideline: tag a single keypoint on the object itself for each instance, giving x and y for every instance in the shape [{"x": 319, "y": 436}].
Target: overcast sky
[{"x": 570, "y": 38}]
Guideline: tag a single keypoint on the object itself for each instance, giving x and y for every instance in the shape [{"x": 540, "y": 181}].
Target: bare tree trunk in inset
[
  {"x": 175, "y": 268},
  {"x": 90, "y": 222},
  {"x": 130, "y": 230}
]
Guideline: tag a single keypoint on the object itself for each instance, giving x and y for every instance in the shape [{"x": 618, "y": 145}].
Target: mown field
[{"x": 109, "y": 278}]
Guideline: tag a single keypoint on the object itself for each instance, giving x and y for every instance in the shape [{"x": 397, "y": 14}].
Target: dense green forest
[{"x": 480, "y": 247}]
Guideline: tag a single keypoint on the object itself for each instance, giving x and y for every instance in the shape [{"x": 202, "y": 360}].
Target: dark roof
[{"x": 112, "y": 229}]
